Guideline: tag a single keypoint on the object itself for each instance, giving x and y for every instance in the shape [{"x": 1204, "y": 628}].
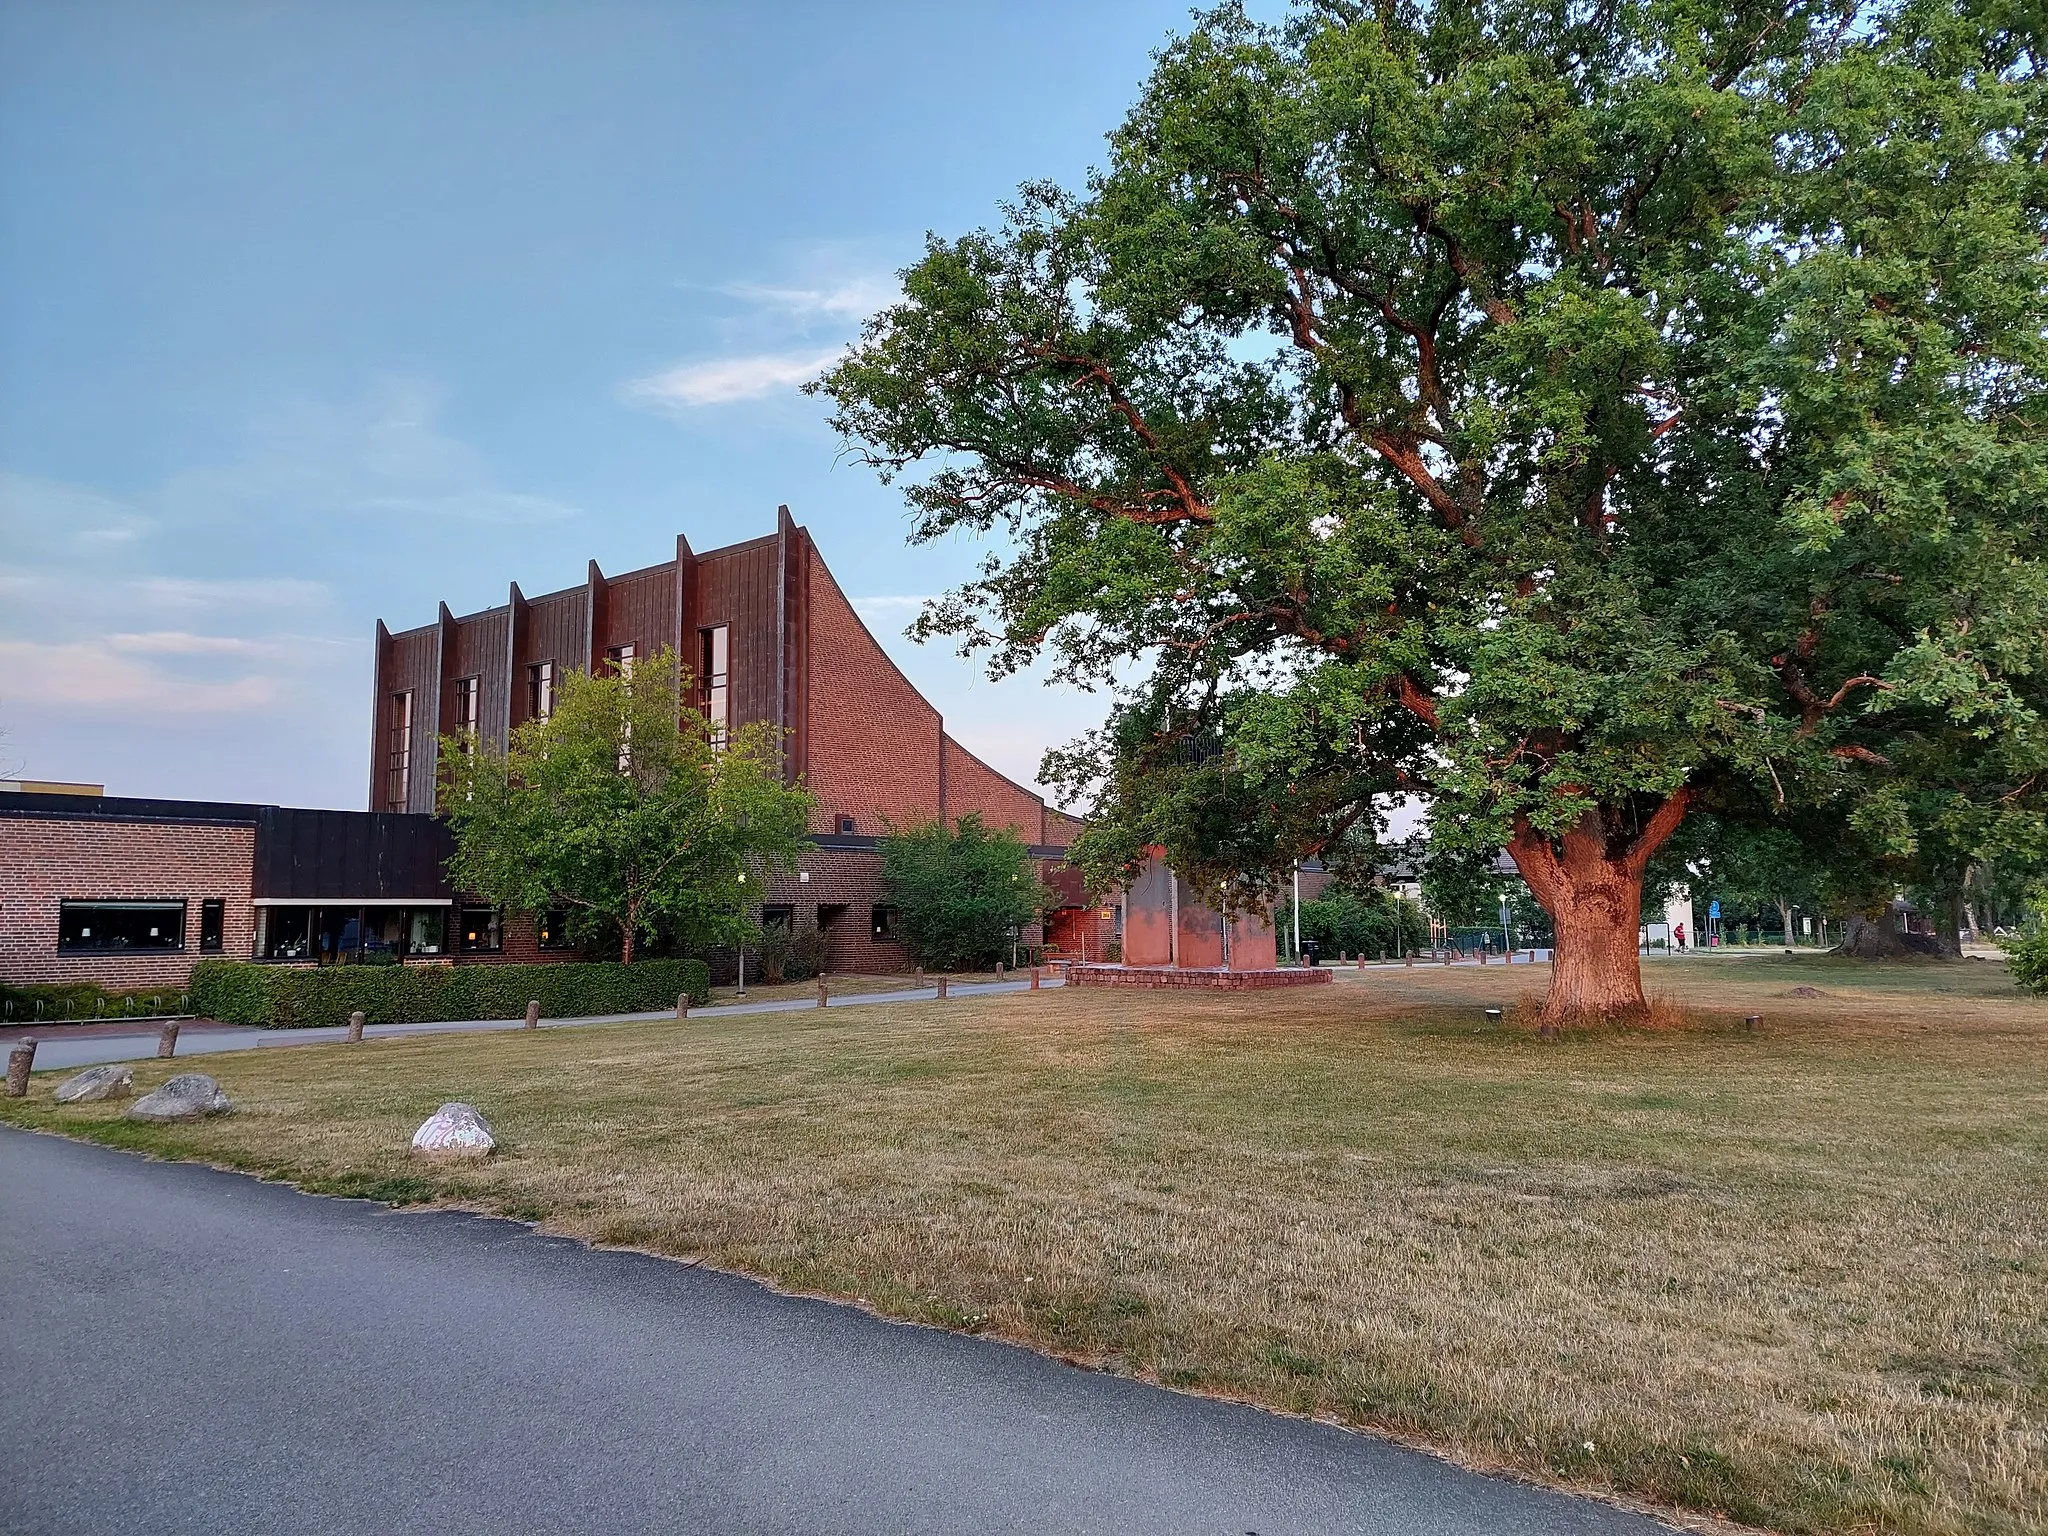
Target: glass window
[
  {"x": 621, "y": 659},
  {"x": 479, "y": 932},
  {"x": 540, "y": 690},
  {"x": 286, "y": 933},
  {"x": 468, "y": 705},
  {"x": 552, "y": 930},
  {"x": 212, "y": 923},
  {"x": 89, "y": 925},
  {"x": 398, "y": 759},
  {"x": 427, "y": 931},
  {"x": 778, "y": 917},
  {"x": 713, "y": 695},
  {"x": 384, "y": 933},
  {"x": 885, "y": 922}
]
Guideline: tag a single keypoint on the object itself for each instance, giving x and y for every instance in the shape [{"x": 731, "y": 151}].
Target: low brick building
[{"x": 130, "y": 892}]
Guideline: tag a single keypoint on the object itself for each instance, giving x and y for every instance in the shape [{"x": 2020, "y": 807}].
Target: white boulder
[
  {"x": 454, "y": 1130},
  {"x": 188, "y": 1096},
  {"x": 109, "y": 1082}
]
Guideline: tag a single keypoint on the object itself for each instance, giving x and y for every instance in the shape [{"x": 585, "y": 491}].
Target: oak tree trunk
[
  {"x": 1868, "y": 938},
  {"x": 1785, "y": 921},
  {"x": 1590, "y": 881}
]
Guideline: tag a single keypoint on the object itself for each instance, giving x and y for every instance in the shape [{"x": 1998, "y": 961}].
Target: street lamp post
[
  {"x": 1297, "y": 911},
  {"x": 743, "y": 942}
]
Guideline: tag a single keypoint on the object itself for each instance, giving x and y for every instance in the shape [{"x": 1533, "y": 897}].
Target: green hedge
[
  {"x": 290, "y": 997},
  {"x": 74, "y": 1000}
]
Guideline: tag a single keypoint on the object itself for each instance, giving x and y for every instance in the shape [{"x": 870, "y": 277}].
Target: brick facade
[{"x": 44, "y": 862}]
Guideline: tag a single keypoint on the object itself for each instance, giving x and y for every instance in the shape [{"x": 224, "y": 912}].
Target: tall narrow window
[
  {"x": 621, "y": 659},
  {"x": 715, "y": 647},
  {"x": 540, "y": 690},
  {"x": 468, "y": 708},
  {"x": 398, "y": 758},
  {"x": 212, "y": 924}
]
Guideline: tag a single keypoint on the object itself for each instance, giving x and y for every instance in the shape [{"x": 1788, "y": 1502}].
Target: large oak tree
[{"x": 1574, "y": 413}]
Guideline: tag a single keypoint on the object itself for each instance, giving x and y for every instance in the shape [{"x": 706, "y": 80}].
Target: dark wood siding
[
  {"x": 553, "y": 631},
  {"x": 358, "y": 855},
  {"x": 480, "y": 642},
  {"x": 641, "y": 611},
  {"x": 739, "y": 587},
  {"x": 414, "y": 667}
]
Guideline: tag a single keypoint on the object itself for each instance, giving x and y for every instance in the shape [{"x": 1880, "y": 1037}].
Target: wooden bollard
[
  {"x": 942, "y": 987},
  {"x": 167, "y": 1040},
  {"x": 355, "y": 1027},
  {"x": 1034, "y": 978},
  {"x": 1752, "y": 1021},
  {"x": 19, "y": 1060},
  {"x": 1482, "y": 957},
  {"x": 1447, "y": 957},
  {"x": 682, "y": 1005},
  {"x": 821, "y": 993},
  {"x": 999, "y": 970},
  {"x": 533, "y": 1013},
  {"x": 1409, "y": 959}
]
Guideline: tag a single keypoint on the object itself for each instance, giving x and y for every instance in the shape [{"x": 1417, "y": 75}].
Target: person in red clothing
[{"x": 1678, "y": 935}]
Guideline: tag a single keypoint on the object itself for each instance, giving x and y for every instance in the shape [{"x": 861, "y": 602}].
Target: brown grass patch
[{"x": 1798, "y": 1276}]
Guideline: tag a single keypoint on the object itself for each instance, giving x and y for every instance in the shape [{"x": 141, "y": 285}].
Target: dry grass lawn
[{"x": 1797, "y": 1277}]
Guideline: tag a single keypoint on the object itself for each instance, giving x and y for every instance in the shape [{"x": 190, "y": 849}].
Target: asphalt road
[{"x": 194, "y": 1351}]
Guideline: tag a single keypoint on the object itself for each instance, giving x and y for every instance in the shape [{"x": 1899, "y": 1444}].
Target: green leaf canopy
[{"x": 1573, "y": 414}]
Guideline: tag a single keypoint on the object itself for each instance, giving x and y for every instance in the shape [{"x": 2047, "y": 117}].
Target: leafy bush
[
  {"x": 1375, "y": 923},
  {"x": 237, "y": 992},
  {"x": 960, "y": 891},
  {"x": 2027, "y": 958}
]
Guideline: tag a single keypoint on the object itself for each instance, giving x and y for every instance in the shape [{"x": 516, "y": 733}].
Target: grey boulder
[
  {"x": 109, "y": 1082},
  {"x": 454, "y": 1130},
  {"x": 188, "y": 1096}
]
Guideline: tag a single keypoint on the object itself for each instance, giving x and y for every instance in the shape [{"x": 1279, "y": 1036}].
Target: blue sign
[{"x": 1713, "y": 909}]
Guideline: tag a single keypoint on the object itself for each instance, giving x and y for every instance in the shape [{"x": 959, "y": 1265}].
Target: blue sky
[{"x": 312, "y": 314}]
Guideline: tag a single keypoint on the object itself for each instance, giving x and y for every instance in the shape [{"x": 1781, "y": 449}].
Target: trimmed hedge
[{"x": 290, "y": 997}]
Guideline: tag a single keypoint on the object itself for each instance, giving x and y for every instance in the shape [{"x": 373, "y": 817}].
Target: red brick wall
[
  {"x": 1060, "y": 828},
  {"x": 874, "y": 742},
  {"x": 45, "y": 862},
  {"x": 971, "y": 785},
  {"x": 847, "y": 884}
]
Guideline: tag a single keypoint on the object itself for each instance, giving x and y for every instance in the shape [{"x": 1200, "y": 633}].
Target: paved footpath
[
  {"x": 86, "y": 1045},
  {"x": 194, "y": 1351}
]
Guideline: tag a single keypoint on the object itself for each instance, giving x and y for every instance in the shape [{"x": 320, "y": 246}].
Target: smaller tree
[
  {"x": 1371, "y": 921},
  {"x": 960, "y": 892},
  {"x": 621, "y": 808}
]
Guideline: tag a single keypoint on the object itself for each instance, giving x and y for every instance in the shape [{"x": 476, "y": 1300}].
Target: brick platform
[{"x": 1168, "y": 976}]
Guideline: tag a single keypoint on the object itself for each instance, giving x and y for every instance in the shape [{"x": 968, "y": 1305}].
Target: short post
[
  {"x": 19, "y": 1060},
  {"x": 1409, "y": 959},
  {"x": 1034, "y": 978},
  {"x": 682, "y": 1005},
  {"x": 942, "y": 988},
  {"x": 1447, "y": 957},
  {"x": 1752, "y": 1021},
  {"x": 355, "y": 1027},
  {"x": 1546, "y": 1030},
  {"x": 533, "y": 1013},
  {"x": 999, "y": 970},
  {"x": 167, "y": 1040},
  {"x": 1482, "y": 957},
  {"x": 821, "y": 992}
]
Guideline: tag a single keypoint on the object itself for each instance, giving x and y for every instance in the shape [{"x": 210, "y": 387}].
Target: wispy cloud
[
  {"x": 91, "y": 676},
  {"x": 723, "y": 380},
  {"x": 853, "y": 299},
  {"x": 255, "y": 592},
  {"x": 775, "y": 340},
  {"x": 879, "y": 605}
]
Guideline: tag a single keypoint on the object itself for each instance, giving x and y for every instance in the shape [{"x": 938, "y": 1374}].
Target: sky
[{"x": 315, "y": 314}]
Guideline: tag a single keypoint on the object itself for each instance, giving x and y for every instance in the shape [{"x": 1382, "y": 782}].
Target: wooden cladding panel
[
  {"x": 641, "y": 612},
  {"x": 413, "y": 666},
  {"x": 480, "y": 642},
  {"x": 739, "y": 587},
  {"x": 554, "y": 632}
]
